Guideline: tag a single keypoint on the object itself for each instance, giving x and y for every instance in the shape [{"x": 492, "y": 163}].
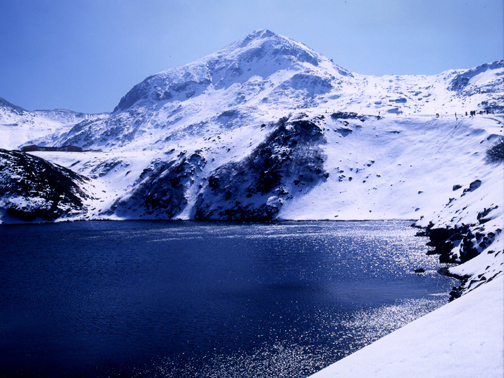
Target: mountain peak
[
  {"x": 14, "y": 108},
  {"x": 263, "y": 42},
  {"x": 261, "y": 34},
  {"x": 260, "y": 54}
]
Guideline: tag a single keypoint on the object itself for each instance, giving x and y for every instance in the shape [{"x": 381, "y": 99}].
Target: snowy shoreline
[
  {"x": 460, "y": 339},
  {"x": 464, "y": 338}
]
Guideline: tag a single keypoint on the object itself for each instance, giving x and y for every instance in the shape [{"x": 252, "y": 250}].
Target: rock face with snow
[
  {"x": 481, "y": 80},
  {"x": 289, "y": 161},
  {"x": 468, "y": 229},
  {"x": 31, "y": 188},
  {"x": 161, "y": 188}
]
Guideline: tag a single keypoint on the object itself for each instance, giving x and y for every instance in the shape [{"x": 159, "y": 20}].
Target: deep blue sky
[{"x": 84, "y": 55}]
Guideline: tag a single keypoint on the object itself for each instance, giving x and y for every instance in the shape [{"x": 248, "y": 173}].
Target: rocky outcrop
[
  {"x": 289, "y": 161},
  {"x": 31, "y": 188},
  {"x": 460, "y": 243},
  {"x": 161, "y": 188}
]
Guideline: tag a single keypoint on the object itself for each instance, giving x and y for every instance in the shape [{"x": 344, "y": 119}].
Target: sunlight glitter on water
[
  {"x": 284, "y": 359},
  {"x": 186, "y": 299}
]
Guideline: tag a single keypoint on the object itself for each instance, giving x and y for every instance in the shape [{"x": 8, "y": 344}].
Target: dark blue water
[{"x": 185, "y": 299}]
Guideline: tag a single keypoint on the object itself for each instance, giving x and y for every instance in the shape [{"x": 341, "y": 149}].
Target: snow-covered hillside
[
  {"x": 18, "y": 126},
  {"x": 262, "y": 78},
  {"x": 31, "y": 188},
  {"x": 328, "y": 166}
]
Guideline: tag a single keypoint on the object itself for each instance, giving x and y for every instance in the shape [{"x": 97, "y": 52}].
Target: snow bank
[{"x": 461, "y": 339}]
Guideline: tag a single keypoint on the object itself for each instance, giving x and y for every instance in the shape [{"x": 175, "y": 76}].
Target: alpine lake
[{"x": 205, "y": 299}]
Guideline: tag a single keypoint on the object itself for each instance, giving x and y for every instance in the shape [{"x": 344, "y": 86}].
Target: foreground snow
[{"x": 462, "y": 339}]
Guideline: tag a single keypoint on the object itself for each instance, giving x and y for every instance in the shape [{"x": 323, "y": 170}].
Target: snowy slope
[
  {"x": 392, "y": 167},
  {"x": 462, "y": 339},
  {"x": 18, "y": 126}
]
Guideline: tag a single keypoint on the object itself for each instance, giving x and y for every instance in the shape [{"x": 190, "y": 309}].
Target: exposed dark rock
[
  {"x": 472, "y": 186},
  {"x": 400, "y": 100},
  {"x": 445, "y": 271},
  {"x": 31, "y": 187},
  {"x": 455, "y": 293},
  {"x": 289, "y": 159},
  {"x": 469, "y": 240},
  {"x": 346, "y": 115},
  {"x": 495, "y": 154},
  {"x": 439, "y": 235},
  {"x": 161, "y": 188},
  {"x": 444, "y": 240},
  {"x": 482, "y": 215}
]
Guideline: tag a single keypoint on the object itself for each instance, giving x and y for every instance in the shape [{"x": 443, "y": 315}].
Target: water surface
[{"x": 187, "y": 299}]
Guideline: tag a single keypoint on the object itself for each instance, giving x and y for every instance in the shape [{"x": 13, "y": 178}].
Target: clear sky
[{"x": 84, "y": 55}]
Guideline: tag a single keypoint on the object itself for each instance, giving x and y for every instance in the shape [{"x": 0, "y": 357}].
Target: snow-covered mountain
[
  {"x": 262, "y": 78},
  {"x": 268, "y": 129},
  {"x": 269, "y": 104}
]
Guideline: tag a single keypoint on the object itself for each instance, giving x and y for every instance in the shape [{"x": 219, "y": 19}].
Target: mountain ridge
[{"x": 261, "y": 78}]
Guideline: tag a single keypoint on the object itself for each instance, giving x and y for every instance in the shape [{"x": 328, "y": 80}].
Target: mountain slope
[
  {"x": 262, "y": 78},
  {"x": 19, "y": 126}
]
